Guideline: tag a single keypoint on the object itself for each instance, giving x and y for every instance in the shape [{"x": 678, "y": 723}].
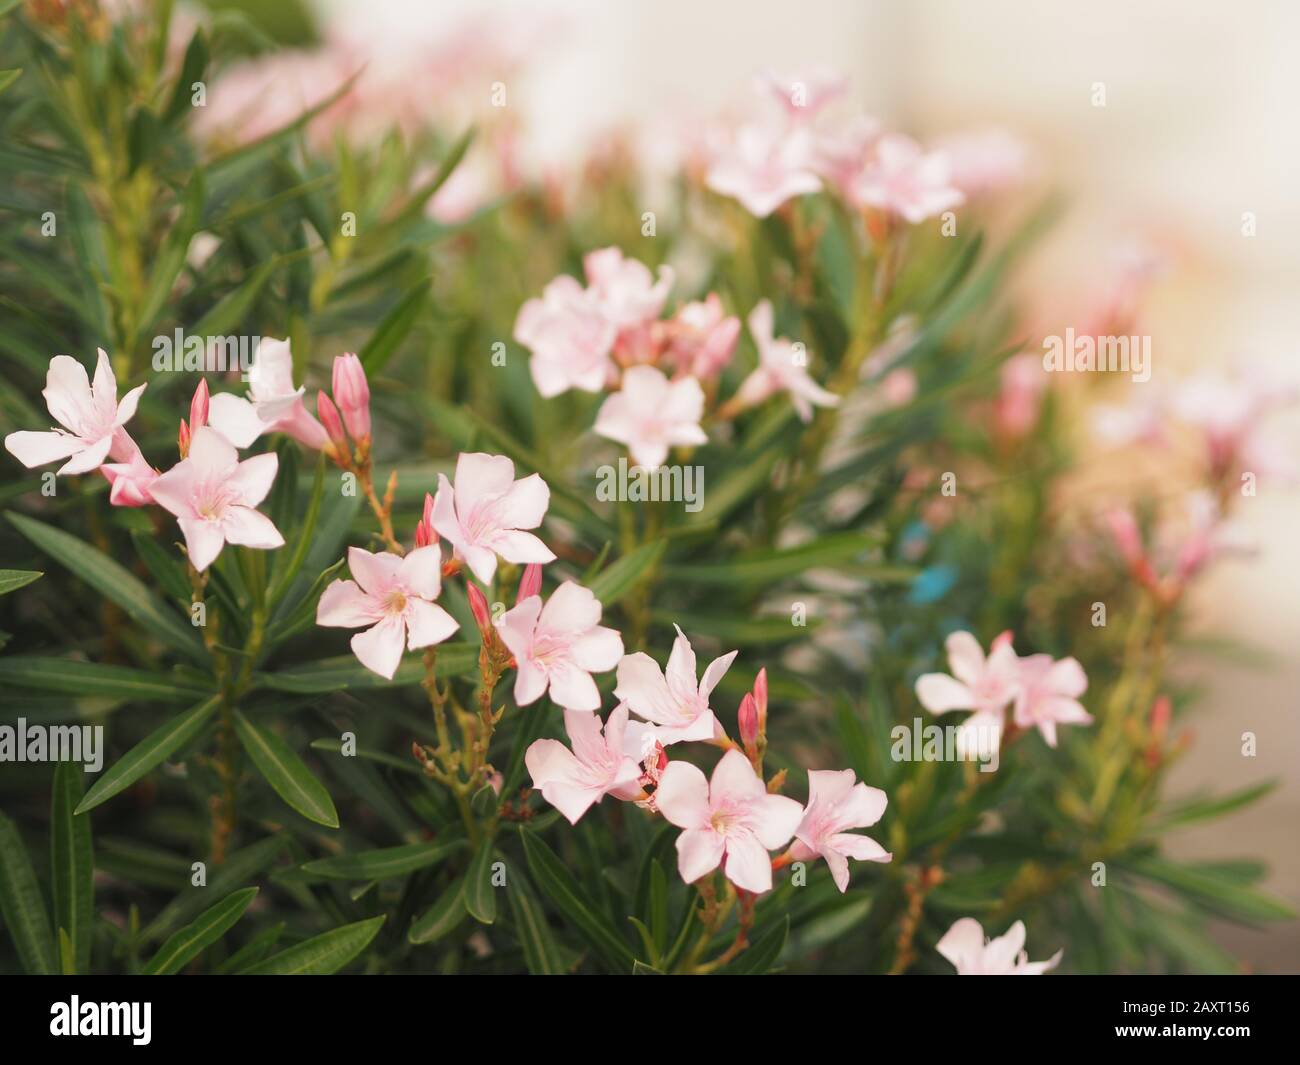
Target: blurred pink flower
[
  {"x": 391, "y": 598},
  {"x": 1049, "y": 695},
  {"x": 570, "y": 339},
  {"x": 986, "y": 161},
  {"x": 573, "y": 781},
  {"x": 90, "y": 415},
  {"x": 836, "y": 804},
  {"x": 840, "y": 155},
  {"x": 907, "y": 181},
  {"x": 805, "y": 94},
  {"x": 782, "y": 367},
  {"x": 213, "y": 496},
  {"x": 559, "y": 646},
  {"x": 1023, "y": 383},
  {"x": 704, "y": 338},
  {"x": 485, "y": 514},
  {"x": 624, "y": 290},
  {"x": 674, "y": 702},
  {"x": 729, "y": 819},
  {"x": 972, "y": 955},
  {"x": 651, "y": 414},
  {"x": 981, "y": 684},
  {"x": 763, "y": 168},
  {"x": 274, "y": 406}
]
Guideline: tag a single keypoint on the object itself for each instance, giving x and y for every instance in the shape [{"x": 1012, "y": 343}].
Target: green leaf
[
  {"x": 1213, "y": 888},
  {"x": 442, "y": 917},
  {"x": 26, "y": 921},
  {"x": 558, "y": 885},
  {"x": 619, "y": 578},
  {"x": 480, "y": 895},
  {"x": 773, "y": 565},
  {"x": 155, "y": 748},
  {"x": 234, "y": 306},
  {"x": 765, "y": 952},
  {"x": 345, "y": 673},
  {"x": 541, "y": 954},
  {"x": 8, "y": 77},
  {"x": 234, "y": 873},
  {"x": 387, "y": 863},
  {"x": 1205, "y": 809},
  {"x": 72, "y": 864},
  {"x": 13, "y": 579},
  {"x": 167, "y": 569},
  {"x": 286, "y": 773},
  {"x": 72, "y": 677},
  {"x": 323, "y": 954},
  {"x": 185, "y": 945},
  {"x": 385, "y": 340},
  {"x": 112, "y": 580},
  {"x": 170, "y": 259},
  {"x": 415, "y": 208},
  {"x": 283, "y": 578},
  {"x": 192, "y": 67}
]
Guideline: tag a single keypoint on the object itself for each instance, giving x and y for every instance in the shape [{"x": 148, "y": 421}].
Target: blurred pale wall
[{"x": 1199, "y": 126}]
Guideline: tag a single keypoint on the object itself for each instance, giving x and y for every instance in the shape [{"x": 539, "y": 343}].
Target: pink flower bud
[
  {"x": 199, "y": 406},
  {"x": 530, "y": 583},
  {"x": 352, "y": 394},
  {"x": 748, "y": 722},
  {"x": 1161, "y": 714},
  {"x": 329, "y": 417},
  {"x": 183, "y": 439},
  {"x": 760, "y": 699},
  {"x": 478, "y": 606}
]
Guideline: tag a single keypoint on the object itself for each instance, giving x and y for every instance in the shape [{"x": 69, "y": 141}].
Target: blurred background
[{"x": 1197, "y": 128}]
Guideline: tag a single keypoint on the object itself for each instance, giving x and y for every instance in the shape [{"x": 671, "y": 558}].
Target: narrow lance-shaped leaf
[
  {"x": 286, "y": 773},
  {"x": 21, "y": 904},
  {"x": 72, "y": 862},
  {"x": 154, "y": 749},
  {"x": 323, "y": 954},
  {"x": 188, "y": 943}
]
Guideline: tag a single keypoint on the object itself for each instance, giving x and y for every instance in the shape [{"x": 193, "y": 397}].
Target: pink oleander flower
[
  {"x": 782, "y": 367},
  {"x": 841, "y": 155},
  {"x": 570, "y": 339},
  {"x": 1228, "y": 410},
  {"x": 130, "y": 479},
  {"x": 1049, "y": 695},
  {"x": 574, "y": 781},
  {"x": 273, "y": 406},
  {"x": 651, "y": 414},
  {"x": 1018, "y": 404},
  {"x": 764, "y": 168},
  {"x": 805, "y": 94},
  {"x": 625, "y": 291},
  {"x": 985, "y": 685},
  {"x": 559, "y": 646},
  {"x": 906, "y": 181},
  {"x": 729, "y": 819},
  {"x": 972, "y": 955},
  {"x": 213, "y": 496},
  {"x": 352, "y": 395},
  {"x": 90, "y": 415},
  {"x": 703, "y": 338},
  {"x": 485, "y": 514},
  {"x": 675, "y": 703},
  {"x": 836, "y": 804},
  {"x": 392, "y": 598},
  {"x": 985, "y": 162}
]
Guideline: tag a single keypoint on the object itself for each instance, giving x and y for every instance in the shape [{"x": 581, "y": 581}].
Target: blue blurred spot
[{"x": 933, "y": 584}]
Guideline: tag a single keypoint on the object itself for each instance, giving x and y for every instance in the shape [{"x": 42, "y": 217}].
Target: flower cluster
[{"x": 1045, "y": 691}]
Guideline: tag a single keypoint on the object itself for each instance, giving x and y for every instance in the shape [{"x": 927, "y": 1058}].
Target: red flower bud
[
  {"x": 352, "y": 394},
  {"x": 199, "y": 406},
  {"x": 760, "y": 699},
  {"x": 748, "y": 722},
  {"x": 530, "y": 583},
  {"x": 478, "y": 606},
  {"x": 329, "y": 418}
]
